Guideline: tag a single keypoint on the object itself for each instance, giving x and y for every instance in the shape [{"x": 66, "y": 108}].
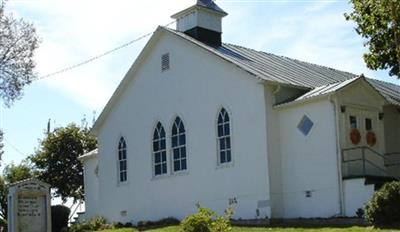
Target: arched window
[
  {"x": 178, "y": 145},
  {"x": 224, "y": 137},
  {"x": 159, "y": 150},
  {"x": 122, "y": 164}
]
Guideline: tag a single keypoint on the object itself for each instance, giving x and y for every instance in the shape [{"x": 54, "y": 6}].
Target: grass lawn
[{"x": 250, "y": 229}]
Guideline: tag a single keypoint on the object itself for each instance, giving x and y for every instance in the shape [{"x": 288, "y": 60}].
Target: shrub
[
  {"x": 59, "y": 217},
  {"x": 384, "y": 207},
  {"x": 3, "y": 224},
  {"x": 170, "y": 221},
  {"x": 360, "y": 213},
  {"x": 117, "y": 225},
  {"x": 94, "y": 224},
  {"x": 206, "y": 220}
]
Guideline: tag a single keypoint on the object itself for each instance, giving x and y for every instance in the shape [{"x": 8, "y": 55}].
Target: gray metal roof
[
  {"x": 390, "y": 91},
  {"x": 210, "y": 4},
  {"x": 280, "y": 69},
  {"x": 325, "y": 89}
]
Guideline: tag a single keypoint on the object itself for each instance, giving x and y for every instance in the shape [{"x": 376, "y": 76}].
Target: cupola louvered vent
[{"x": 165, "y": 62}]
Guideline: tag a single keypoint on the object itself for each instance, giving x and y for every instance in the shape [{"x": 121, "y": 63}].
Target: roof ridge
[{"x": 384, "y": 82}]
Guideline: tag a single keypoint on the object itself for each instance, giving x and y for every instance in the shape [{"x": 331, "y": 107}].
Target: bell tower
[{"x": 202, "y": 21}]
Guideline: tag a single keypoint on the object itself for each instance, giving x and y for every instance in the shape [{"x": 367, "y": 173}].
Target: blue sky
[{"x": 73, "y": 31}]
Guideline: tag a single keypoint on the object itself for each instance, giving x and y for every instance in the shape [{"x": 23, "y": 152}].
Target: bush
[
  {"x": 59, "y": 217},
  {"x": 3, "y": 224},
  {"x": 170, "y": 221},
  {"x": 94, "y": 224},
  {"x": 384, "y": 207},
  {"x": 206, "y": 220}
]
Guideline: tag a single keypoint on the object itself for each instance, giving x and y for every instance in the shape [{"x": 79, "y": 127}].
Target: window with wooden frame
[
  {"x": 224, "y": 137},
  {"x": 178, "y": 145},
  {"x": 122, "y": 160},
  {"x": 159, "y": 151}
]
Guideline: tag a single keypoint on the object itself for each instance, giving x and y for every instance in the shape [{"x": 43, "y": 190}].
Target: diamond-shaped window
[{"x": 305, "y": 125}]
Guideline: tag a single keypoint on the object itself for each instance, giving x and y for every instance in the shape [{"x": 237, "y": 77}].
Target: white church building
[{"x": 199, "y": 120}]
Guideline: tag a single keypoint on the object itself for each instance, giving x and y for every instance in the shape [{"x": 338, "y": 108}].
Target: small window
[
  {"x": 165, "y": 62},
  {"x": 368, "y": 124},
  {"x": 122, "y": 164},
  {"x": 353, "y": 122},
  {"x": 159, "y": 150},
  {"x": 178, "y": 144},
  {"x": 224, "y": 137},
  {"x": 305, "y": 125}
]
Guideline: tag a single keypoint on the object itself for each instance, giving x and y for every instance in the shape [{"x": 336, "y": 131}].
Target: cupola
[{"x": 202, "y": 21}]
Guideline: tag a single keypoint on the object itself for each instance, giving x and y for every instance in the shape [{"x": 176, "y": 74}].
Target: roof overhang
[
  {"x": 90, "y": 155},
  {"x": 328, "y": 91}
]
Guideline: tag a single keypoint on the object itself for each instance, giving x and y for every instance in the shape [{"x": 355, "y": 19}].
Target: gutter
[{"x": 296, "y": 102}]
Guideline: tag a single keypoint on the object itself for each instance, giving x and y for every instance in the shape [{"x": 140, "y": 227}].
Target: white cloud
[{"x": 73, "y": 31}]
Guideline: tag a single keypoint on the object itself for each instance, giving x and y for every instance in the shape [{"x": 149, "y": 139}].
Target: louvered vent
[{"x": 165, "y": 62}]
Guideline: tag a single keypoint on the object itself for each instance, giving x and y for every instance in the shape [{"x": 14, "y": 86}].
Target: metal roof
[
  {"x": 390, "y": 91},
  {"x": 280, "y": 69},
  {"x": 210, "y": 4},
  {"x": 275, "y": 68},
  {"x": 325, "y": 89}
]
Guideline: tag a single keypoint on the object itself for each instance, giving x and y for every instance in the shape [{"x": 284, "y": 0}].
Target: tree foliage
[
  {"x": 378, "y": 21},
  {"x": 56, "y": 160},
  {"x": 18, "y": 42},
  {"x": 383, "y": 209},
  {"x": 12, "y": 173},
  {"x": 1, "y": 144}
]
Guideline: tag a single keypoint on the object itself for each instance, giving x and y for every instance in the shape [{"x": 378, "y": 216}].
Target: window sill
[
  {"x": 160, "y": 177},
  {"x": 121, "y": 184},
  {"x": 180, "y": 173},
  {"x": 225, "y": 165}
]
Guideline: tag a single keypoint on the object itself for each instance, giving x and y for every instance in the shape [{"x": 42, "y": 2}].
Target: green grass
[{"x": 254, "y": 229}]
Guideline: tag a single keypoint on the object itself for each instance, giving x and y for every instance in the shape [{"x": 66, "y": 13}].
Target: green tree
[
  {"x": 1, "y": 144},
  {"x": 12, "y": 173},
  {"x": 18, "y": 42},
  {"x": 378, "y": 21},
  {"x": 56, "y": 160}
]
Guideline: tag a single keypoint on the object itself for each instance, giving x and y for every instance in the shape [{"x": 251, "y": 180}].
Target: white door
[
  {"x": 364, "y": 121},
  {"x": 362, "y": 142}
]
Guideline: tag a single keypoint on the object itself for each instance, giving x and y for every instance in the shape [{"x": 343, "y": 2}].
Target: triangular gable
[
  {"x": 126, "y": 80},
  {"x": 143, "y": 54}
]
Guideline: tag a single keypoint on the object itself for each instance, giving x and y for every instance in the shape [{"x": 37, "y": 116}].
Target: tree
[
  {"x": 11, "y": 174},
  {"x": 56, "y": 160},
  {"x": 1, "y": 144},
  {"x": 18, "y": 42},
  {"x": 378, "y": 21}
]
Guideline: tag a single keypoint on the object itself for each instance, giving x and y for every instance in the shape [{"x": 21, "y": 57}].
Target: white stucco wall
[
  {"x": 391, "y": 123},
  {"x": 91, "y": 186},
  {"x": 356, "y": 194},
  {"x": 361, "y": 96},
  {"x": 309, "y": 163},
  {"x": 392, "y": 128},
  {"x": 195, "y": 88},
  {"x": 274, "y": 153}
]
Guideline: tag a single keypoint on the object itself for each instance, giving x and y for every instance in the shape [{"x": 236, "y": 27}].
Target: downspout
[
  {"x": 338, "y": 152},
  {"x": 276, "y": 209}
]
